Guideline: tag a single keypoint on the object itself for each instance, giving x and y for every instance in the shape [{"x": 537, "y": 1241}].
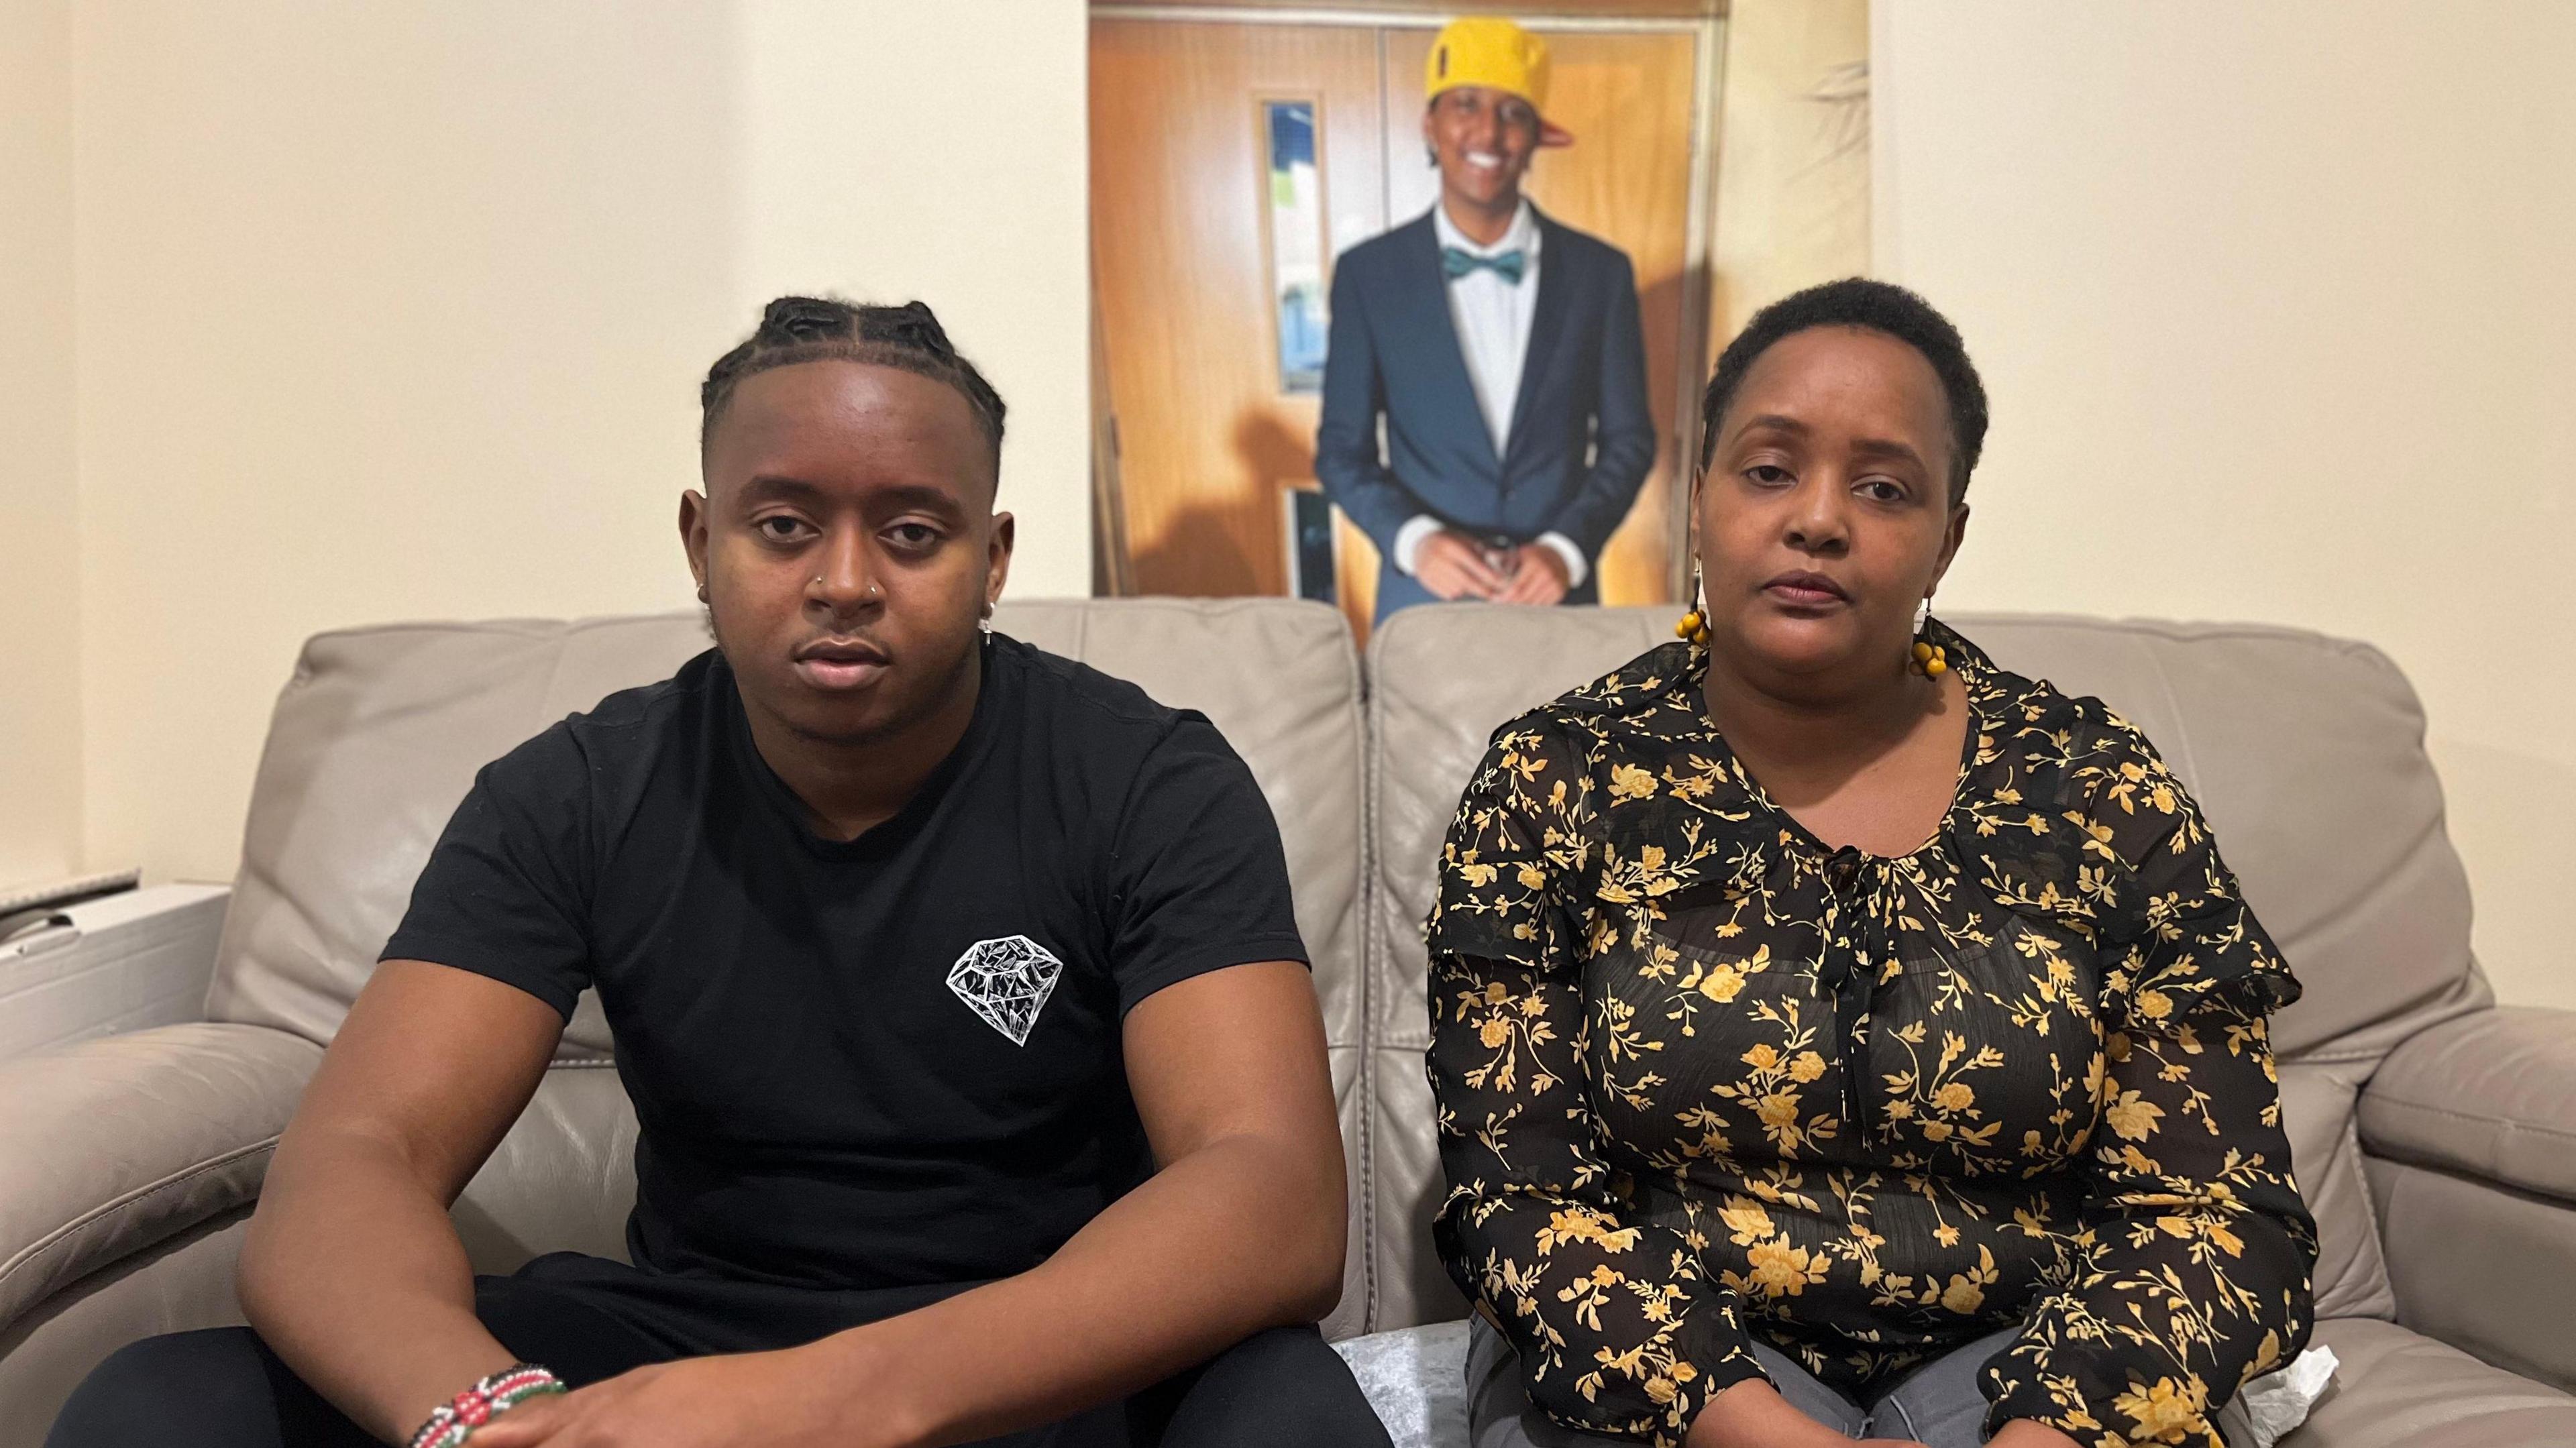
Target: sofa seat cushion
[
  {"x": 2401, "y": 1389},
  {"x": 2393, "y": 1389}
]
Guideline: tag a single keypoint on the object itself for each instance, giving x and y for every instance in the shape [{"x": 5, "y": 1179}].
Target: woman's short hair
[
  {"x": 816, "y": 329},
  {"x": 1873, "y": 306}
]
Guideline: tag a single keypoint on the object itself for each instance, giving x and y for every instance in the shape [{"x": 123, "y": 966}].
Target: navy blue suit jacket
[{"x": 1582, "y": 437}]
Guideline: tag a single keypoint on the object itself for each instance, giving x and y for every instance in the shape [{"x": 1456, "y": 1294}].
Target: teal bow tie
[{"x": 1456, "y": 262}]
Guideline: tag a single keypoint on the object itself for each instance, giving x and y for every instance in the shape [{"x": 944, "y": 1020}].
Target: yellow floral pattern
[{"x": 1701, "y": 1078}]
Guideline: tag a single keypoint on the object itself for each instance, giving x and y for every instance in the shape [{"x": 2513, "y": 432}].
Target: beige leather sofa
[{"x": 2435, "y": 1133}]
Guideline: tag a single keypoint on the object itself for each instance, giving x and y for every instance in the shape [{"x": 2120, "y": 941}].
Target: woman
[{"x": 1835, "y": 1033}]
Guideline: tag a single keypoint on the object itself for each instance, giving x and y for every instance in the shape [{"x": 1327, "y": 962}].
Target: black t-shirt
[{"x": 886, "y": 1062}]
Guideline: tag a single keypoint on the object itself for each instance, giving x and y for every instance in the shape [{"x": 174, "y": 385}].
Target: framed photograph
[{"x": 1241, "y": 157}]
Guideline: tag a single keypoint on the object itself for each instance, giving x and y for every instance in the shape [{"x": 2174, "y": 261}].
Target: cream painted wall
[
  {"x": 2276, "y": 307},
  {"x": 1793, "y": 171},
  {"x": 40, "y": 741},
  {"x": 898, "y": 150},
  {"x": 393, "y": 312}
]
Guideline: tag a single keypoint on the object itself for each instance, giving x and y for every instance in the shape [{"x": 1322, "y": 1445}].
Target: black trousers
[{"x": 587, "y": 1318}]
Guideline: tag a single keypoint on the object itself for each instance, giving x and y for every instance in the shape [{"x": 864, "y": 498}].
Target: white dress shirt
[{"x": 1492, "y": 319}]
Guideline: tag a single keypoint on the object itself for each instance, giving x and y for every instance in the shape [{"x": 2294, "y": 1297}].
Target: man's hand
[
  {"x": 1752, "y": 1414},
  {"x": 2024, "y": 1433},
  {"x": 1452, "y": 565},
  {"x": 773, "y": 1399},
  {"x": 1538, "y": 576}
]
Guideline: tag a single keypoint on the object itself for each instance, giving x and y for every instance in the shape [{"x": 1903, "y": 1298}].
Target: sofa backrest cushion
[
  {"x": 379, "y": 734},
  {"x": 2307, "y": 753},
  {"x": 375, "y": 739}
]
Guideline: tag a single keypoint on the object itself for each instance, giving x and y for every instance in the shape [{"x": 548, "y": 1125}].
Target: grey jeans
[{"x": 1938, "y": 1405}]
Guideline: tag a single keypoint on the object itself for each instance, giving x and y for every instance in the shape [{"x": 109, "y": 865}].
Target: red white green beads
[{"x": 455, "y": 1420}]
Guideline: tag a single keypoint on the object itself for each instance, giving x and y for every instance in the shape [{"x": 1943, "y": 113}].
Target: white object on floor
[
  {"x": 1416, "y": 1379},
  {"x": 2278, "y": 1402}
]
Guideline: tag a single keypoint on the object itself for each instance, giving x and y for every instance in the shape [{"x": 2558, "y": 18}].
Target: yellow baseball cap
[{"x": 1489, "y": 51}]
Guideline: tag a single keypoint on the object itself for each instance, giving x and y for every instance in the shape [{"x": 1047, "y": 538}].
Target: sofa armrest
[
  {"x": 2470, "y": 1137},
  {"x": 113, "y": 1145},
  {"x": 2491, "y": 1095}
]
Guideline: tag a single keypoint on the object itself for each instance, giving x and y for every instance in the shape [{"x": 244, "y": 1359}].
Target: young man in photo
[{"x": 1502, "y": 352}]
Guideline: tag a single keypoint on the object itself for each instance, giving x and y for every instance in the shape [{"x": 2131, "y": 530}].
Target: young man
[
  {"x": 980, "y": 1080},
  {"x": 1503, "y": 352}
]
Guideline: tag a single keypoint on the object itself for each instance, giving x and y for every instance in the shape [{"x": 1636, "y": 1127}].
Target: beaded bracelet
[{"x": 453, "y": 1421}]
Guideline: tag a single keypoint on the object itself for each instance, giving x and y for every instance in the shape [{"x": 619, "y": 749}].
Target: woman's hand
[
  {"x": 1752, "y": 1414},
  {"x": 2024, "y": 1433}
]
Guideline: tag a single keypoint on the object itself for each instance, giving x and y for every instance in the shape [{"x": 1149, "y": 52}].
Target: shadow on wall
[
  {"x": 1199, "y": 555},
  {"x": 1221, "y": 549}
]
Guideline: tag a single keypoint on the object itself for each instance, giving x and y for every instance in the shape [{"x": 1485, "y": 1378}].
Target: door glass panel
[
  {"x": 1311, "y": 562},
  {"x": 1296, "y": 242}
]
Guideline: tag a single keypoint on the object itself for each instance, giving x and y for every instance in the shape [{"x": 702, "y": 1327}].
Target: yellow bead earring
[
  {"x": 1930, "y": 659},
  {"x": 1693, "y": 625}
]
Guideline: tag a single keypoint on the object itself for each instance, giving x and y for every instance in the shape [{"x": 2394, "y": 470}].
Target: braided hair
[{"x": 817, "y": 329}]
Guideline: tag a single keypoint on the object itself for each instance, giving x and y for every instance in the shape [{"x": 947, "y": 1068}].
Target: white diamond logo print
[{"x": 1007, "y": 982}]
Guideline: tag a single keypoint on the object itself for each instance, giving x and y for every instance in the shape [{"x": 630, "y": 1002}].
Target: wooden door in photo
[{"x": 1209, "y": 432}]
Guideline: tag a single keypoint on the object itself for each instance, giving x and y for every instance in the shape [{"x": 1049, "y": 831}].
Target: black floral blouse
[{"x": 1700, "y": 1077}]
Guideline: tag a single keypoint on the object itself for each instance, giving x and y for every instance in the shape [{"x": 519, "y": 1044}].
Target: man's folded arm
[{"x": 352, "y": 1272}]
